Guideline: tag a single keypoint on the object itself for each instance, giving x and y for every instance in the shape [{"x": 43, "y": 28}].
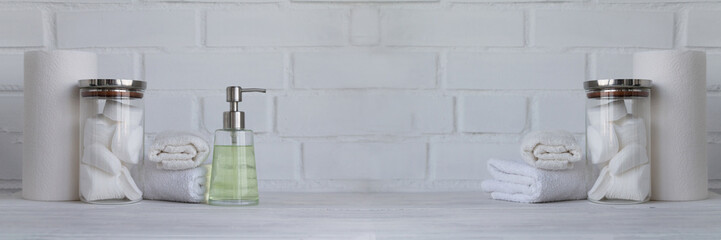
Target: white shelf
[{"x": 361, "y": 216}]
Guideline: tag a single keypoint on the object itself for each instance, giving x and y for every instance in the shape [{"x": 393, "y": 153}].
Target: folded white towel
[
  {"x": 518, "y": 182},
  {"x": 178, "y": 150},
  {"x": 188, "y": 185},
  {"x": 602, "y": 143},
  {"x": 552, "y": 150}
]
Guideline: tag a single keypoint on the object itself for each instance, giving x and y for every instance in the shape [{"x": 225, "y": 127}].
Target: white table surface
[{"x": 362, "y": 216}]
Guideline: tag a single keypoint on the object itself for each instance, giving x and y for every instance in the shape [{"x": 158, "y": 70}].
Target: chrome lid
[
  {"x": 112, "y": 83},
  {"x": 616, "y": 83}
]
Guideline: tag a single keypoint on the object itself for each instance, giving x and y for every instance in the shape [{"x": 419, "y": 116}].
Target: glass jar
[
  {"x": 111, "y": 140},
  {"x": 618, "y": 120}
]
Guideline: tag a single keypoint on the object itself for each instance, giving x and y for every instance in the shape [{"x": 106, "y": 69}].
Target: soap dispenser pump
[{"x": 233, "y": 179}]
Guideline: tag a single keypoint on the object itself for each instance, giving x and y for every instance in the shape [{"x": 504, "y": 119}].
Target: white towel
[
  {"x": 178, "y": 150},
  {"x": 188, "y": 185},
  {"x": 552, "y": 150},
  {"x": 518, "y": 182}
]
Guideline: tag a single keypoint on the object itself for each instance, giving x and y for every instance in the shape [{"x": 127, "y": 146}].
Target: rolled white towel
[
  {"x": 178, "y": 150},
  {"x": 123, "y": 112},
  {"x": 188, "y": 185},
  {"x": 602, "y": 143},
  {"x": 518, "y": 182},
  {"x": 127, "y": 143},
  {"x": 99, "y": 156},
  {"x": 552, "y": 150}
]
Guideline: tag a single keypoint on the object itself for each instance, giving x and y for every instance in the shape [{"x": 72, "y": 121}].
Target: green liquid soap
[{"x": 233, "y": 177}]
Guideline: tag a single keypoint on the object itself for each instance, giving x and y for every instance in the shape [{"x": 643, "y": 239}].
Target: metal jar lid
[
  {"x": 602, "y": 84},
  {"x": 112, "y": 83}
]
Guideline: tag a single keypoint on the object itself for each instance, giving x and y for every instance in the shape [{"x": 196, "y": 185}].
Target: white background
[{"x": 363, "y": 95}]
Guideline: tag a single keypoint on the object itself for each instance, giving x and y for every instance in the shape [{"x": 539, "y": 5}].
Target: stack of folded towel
[
  {"x": 548, "y": 175},
  {"x": 178, "y": 173}
]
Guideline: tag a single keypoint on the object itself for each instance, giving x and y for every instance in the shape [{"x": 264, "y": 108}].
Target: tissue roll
[
  {"x": 51, "y": 132},
  {"x": 678, "y": 123}
]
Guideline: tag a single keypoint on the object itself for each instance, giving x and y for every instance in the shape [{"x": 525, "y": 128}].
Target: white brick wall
[
  {"x": 22, "y": 28},
  {"x": 372, "y": 95},
  {"x": 561, "y": 28}
]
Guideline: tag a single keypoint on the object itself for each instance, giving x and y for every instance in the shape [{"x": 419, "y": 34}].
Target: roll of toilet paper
[
  {"x": 51, "y": 132},
  {"x": 678, "y": 122},
  {"x": 127, "y": 144}
]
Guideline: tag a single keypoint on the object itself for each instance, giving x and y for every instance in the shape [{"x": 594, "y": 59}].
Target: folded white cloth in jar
[
  {"x": 187, "y": 185},
  {"x": 518, "y": 182},
  {"x": 178, "y": 150},
  {"x": 630, "y": 130},
  {"x": 127, "y": 143},
  {"x": 634, "y": 184},
  {"x": 98, "y": 129},
  {"x": 606, "y": 111},
  {"x": 122, "y": 111},
  {"x": 96, "y": 184},
  {"x": 99, "y": 156},
  {"x": 551, "y": 150},
  {"x": 602, "y": 143},
  {"x": 631, "y": 156}
]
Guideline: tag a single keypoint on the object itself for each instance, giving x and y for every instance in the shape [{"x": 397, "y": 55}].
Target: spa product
[
  {"x": 50, "y": 135},
  {"x": 233, "y": 178},
  {"x": 111, "y": 139},
  {"x": 618, "y": 112}
]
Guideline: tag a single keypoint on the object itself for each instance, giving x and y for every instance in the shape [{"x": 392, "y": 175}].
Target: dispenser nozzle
[{"x": 235, "y": 119}]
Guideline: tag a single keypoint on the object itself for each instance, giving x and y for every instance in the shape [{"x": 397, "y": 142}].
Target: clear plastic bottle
[
  {"x": 618, "y": 120},
  {"x": 234, "y": 180},
  {"x": 111, "y": 139}
]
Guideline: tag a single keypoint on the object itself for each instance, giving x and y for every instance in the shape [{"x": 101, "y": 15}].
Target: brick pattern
[{"x": 412, "y": 95}]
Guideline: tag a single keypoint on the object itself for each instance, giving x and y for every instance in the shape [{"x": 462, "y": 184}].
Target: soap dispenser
[{"x": 233, "y": 179}]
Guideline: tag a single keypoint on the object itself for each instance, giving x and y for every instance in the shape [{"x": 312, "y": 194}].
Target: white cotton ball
[
  {"x": 98, "y": 129},
  {"x": 99, "y": 156},
  {"x": 605, "y": 113},
  {"x": 629, "y": 157},
  {"x": 123, "y": 112},
  {"x": 602, "y": 143},
  {"x": 127, "y": 144}
]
